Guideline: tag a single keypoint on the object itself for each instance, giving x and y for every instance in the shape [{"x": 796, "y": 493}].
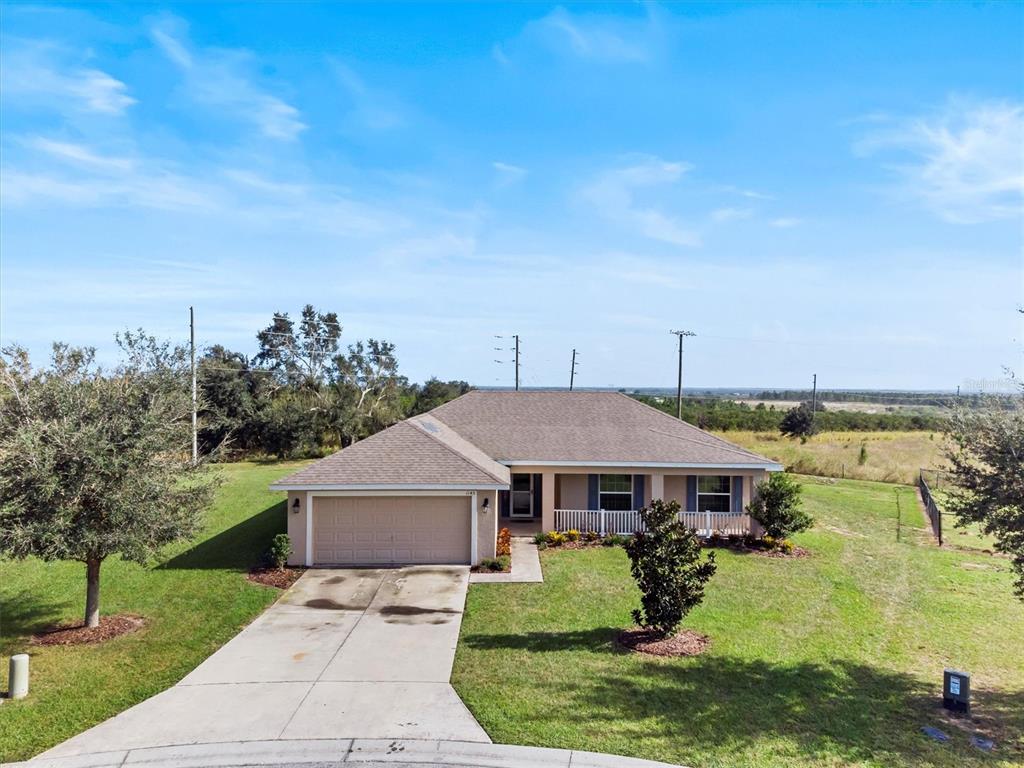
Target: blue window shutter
[
  {"x": 691, "y": 493},
  {"x": 593, "y": 492},
  {"x": 638, "y": 491},
  {"x": 504, "y": 502},
  {"x": 737, "y": 493},
  {"x": 538, "y": 498}
]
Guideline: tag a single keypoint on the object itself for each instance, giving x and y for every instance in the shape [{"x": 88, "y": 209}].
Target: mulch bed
[
  {"x": 282, "y": 578},
  {"x": 795, "y": 553},
  {"x": 77, "y": 634},
  {"x": 685, "y": 643}
]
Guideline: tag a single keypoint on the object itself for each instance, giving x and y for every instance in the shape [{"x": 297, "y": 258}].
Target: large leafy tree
[
  {"x": 798, "y": 422},
  {"x": 97, "y": 462},
  {"x": 987, "y": 460},
  {"x": 303, "y": 357},
  {"x": 367, "y": 389},
  {"x": 434, "y": 392},
  {"x": 235, "y": 395},
  {"x": 665, "y": 559}
]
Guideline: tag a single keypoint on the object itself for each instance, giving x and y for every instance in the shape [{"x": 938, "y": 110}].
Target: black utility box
[{"x": 956, "y": 691}]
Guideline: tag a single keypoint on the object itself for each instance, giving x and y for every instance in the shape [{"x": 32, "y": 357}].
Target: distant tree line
[
  {"x": 302, "y": 394},
  {"x": 716, "y": 413}
]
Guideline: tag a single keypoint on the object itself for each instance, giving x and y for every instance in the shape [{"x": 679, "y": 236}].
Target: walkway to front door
[{"x": 363, "y": 653}]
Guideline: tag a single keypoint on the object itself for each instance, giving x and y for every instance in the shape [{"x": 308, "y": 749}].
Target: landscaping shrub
[
  {"x": 777, "y": 507},
  {"x": 556, "y": 538},
  {"x": 280, "y": 550},
  {"x": 666, "y": 562},
  {"x": 540, "y": 538},
  {"x": 492, "y": 564},
  {"x": 614, "y": 540},
  {"x": 572, "y": 535},
  {"x": 504, "y": 545},
  {"x": 591, "y": 536}
]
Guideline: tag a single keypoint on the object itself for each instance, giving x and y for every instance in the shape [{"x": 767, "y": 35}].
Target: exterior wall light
[
  {"x": 295, "y": 505},
  {"x": 486, "y": 505}
]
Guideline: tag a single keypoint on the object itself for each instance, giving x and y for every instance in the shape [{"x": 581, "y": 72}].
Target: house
[{"x": 435, "y": 488}]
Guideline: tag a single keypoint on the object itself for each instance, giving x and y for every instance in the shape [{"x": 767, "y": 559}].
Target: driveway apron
[{"x": 345, "y": 653}]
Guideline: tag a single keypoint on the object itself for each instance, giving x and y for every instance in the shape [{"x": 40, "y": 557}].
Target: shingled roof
[
  {"x": 404, "y": 455},
  {"x": 584, "y": 427},
  {"x": 468, "y": 442}
]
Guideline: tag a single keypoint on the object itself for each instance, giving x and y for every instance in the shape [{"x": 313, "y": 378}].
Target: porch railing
[{"x": 626, "y": 522}]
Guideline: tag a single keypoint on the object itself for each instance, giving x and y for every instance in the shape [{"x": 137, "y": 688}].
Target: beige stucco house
[{"x": 437, "y": 487}]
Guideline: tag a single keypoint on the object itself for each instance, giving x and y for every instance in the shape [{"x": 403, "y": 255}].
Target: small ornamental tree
[
  {"x": 667, "y": 565},
  {"x": 97, "y": 462},
  {"x": 777, "y": 506}
]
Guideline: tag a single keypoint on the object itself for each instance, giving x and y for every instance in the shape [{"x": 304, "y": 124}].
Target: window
[
  {"x": 616, "y": 492},
  {"x": 714, "y": 493}
]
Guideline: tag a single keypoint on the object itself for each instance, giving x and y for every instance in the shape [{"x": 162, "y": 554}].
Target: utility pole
[
  {"x": 814, "y": 398},
  {"x": 572, "y": 371},
  {"x": 679, "y": 382},
  {"x": 517, "y": 361},
  {"x": 192, "y": 345}
]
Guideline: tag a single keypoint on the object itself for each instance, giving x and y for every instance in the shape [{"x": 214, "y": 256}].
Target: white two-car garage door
[{"x": 391, "y": 530}]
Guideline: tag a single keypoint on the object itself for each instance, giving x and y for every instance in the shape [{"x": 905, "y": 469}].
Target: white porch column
[
  {"x": 474, "y": 545},
  {"x": 657, "y": 486},
  {"x": 547, "y": 501},
  {"x": 309, "y": 529}
]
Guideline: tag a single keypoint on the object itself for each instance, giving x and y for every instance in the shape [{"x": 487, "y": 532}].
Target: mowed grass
[
  {"x": 832, "y": 660},
  {"x": 194, "y": 599},
  {"x": 892, "y": 457}
]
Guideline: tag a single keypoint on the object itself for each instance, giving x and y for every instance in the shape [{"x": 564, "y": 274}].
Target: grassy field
[
  {"x": 194, "y": 600},
  {"x": 892, "y": 457},
  {"x": 831, "y": 660}
]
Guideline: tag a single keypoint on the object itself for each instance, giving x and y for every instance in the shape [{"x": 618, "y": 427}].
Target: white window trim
[
  {"x": 714, "y": 493},
  {"x": 601, "y": 493}
]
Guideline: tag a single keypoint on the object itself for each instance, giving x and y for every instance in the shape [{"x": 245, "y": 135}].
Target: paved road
[{"x": 346, "y": 653}]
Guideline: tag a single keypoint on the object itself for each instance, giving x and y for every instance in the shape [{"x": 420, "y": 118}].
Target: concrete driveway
[{"x": 344, "y": 653}]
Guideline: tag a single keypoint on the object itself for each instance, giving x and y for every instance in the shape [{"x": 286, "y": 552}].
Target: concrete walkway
[
  {"x": 344, "y": 653},
  {"x": 525, "y": 566}
]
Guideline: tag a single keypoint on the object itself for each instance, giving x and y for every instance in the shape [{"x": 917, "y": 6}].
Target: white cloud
[
  {"x": 79, "y": 154},
  {"x": 42, "y": 74},
  {"x": 371, "y": 108},
  {"x": 613, "y": 193},
  {"x": 508, "y": 174},
  {"x": 723, "y": 215},
  {"x": 219, "y": 78},
  {"x": 591, "y": 36},
  {"x": 964, "y": 163},
  {"x": 785, "y": 222}
]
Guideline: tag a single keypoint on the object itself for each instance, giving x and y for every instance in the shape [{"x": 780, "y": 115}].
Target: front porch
[{"x": 606, "y": 499}]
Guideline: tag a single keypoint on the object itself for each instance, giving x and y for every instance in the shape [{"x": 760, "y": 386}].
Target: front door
[{"x": 522, "y": 496}]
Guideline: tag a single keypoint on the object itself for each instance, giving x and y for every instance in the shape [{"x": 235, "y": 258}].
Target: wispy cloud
[
  {"x": 222, "y": 79},
  {"x": 723, "y": 215},
  {"x": 508, "y": 174},
  {"x": 964, "y": 162},
  {"x": 785, "y": 222},
  {"x": 371, "y": 108},
  {"x": 593, "y": 36},
  {"x": 42, "y": 74},
  {"x": 613, "y": 193}
]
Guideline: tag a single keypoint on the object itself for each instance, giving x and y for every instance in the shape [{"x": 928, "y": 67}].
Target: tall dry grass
[{"x": 892, "y": 457}]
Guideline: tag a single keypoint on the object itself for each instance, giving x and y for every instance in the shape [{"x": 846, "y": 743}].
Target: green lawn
[
  {"x": 832, "y": 660},
  {"x": 194, "y": 599}
]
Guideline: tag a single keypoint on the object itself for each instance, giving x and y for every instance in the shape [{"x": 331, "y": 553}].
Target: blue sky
[{"x": 834, "y": 189}]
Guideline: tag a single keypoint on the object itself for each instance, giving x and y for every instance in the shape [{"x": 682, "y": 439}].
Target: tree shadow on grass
[
  {"x": 598, "y": 639},
  {"x": 239, "y": 547},
  {"x": 22, "y": 614},
  {"x": 844, "y": 710}
]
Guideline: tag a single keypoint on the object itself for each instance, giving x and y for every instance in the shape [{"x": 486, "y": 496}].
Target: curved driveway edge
[{"x": 405, "y": 753}]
